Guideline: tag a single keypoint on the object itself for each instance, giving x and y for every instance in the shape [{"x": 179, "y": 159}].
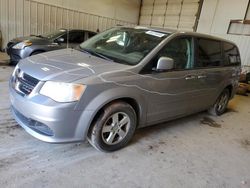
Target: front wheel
[
  {"x": 220, "y": 105},
  {"x": 114, "y": 128}
]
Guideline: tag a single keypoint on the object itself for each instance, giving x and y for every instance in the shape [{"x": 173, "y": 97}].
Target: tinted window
[
  {"x": 231, "y": 54},
  {"x": 91, "y": 34},
  {"x": 76, "y": 37},
  {"x": 209, "y": 53}
]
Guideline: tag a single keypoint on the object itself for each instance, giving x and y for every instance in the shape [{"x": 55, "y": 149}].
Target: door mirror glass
[
  {"x": 60, "y": 40},
  {"x": 165, "y": 63}
]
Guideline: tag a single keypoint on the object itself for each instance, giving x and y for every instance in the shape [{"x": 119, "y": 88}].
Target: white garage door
[{"x": 174, "y": 14}]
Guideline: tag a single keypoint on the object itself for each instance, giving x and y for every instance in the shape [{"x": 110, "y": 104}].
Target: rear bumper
[{"x": 49, "y": 121}]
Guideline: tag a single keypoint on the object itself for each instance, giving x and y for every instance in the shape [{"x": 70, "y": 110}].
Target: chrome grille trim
[{"x": 23, "y": 83}]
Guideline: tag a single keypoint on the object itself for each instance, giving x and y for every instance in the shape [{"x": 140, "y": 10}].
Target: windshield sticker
[
  {"x": 83, "y": 64},
  {"x": 156, "y": 34},
  {"x": 45, "y": 69}
]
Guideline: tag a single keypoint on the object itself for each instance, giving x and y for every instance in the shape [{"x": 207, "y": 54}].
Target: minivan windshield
[{"x": 123, "y": 45}]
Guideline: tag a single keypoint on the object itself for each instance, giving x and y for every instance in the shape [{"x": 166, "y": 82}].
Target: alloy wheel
[{"x": 116, "y": 128}]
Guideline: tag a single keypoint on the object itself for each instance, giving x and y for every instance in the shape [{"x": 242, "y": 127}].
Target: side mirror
[
  {"x": 165, "y": 63},
  {"x": 60, "y": 40}
]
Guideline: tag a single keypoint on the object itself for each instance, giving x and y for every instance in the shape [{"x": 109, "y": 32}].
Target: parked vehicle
[
  {"x": 122, "y": 79},
  {"x": 0, "y": 40},
  {"x": 20, "y": 48}
]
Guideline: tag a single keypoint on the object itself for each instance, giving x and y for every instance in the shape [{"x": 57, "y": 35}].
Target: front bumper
[
  {"x": 48, "y": 120},
  {"x": 16, "y": 55}
]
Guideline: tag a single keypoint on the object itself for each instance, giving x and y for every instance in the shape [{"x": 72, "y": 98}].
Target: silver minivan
[{"x": 119, "y": 80}]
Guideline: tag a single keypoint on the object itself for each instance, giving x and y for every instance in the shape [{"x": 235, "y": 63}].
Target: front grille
[
  {"x": 23, "y": 83},
  {"x": 33, "y": 124}
]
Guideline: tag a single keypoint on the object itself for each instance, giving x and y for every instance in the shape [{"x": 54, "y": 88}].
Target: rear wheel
[
  {"x": 221, "y": 103},
  {"x": 114, "y": 128}
]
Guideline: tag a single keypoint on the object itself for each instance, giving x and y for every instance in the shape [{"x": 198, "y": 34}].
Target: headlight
[
  {"x": 22, "y": 45},
  {"x": 62, "y": 92}
]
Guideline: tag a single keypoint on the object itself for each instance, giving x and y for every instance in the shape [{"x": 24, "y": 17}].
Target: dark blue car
[{"x": 23, "y": 47}]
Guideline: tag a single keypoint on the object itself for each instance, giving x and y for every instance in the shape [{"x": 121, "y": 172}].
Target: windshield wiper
[
  {"x": 95, "y": 54},
  {"x": 83, "y": 50}
]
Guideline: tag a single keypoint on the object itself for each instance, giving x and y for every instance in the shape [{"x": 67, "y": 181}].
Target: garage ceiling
[{"x": 174, "y": 14}]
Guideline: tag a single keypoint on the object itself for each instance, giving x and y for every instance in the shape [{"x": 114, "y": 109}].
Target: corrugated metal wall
[
  {"x": 248, "y": 12},
  {"x": 174, "y": 14},
  {"x": 25, "y": 17},
  {"x": 243, "y": 43},
  {"x": 215, "y": 19}
]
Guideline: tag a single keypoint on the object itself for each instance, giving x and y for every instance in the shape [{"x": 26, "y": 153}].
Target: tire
[
  {"x": 248, "y": 77},
  {"x": 13, "y": 63},
  {"x": 221, "y": 103},
  {"x": 113, "y": 128}
]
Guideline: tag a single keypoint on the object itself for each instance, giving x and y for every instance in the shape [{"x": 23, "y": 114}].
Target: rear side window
[
  {"x": 231, "y": 54},
  {"x": 209, "y": 53}
]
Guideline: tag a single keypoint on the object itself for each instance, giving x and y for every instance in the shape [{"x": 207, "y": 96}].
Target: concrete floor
[
  {"x": 182, "y": 153},
  {"x": 4, "y": 59}
]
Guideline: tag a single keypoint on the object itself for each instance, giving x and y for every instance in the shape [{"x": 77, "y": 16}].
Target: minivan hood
[{"x": 66, "y": 65}]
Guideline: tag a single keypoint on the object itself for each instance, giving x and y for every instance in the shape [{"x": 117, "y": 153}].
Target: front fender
[
  {"x": 113, "y": 94},
  {"x": 105, "y": 98}
]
